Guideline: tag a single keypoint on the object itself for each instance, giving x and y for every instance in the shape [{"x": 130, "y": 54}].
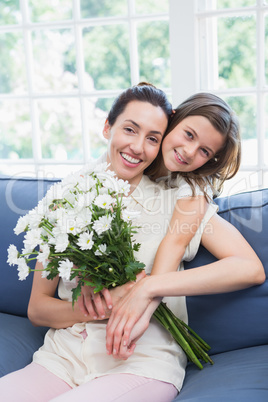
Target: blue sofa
[{"x": 234, "y": 324}]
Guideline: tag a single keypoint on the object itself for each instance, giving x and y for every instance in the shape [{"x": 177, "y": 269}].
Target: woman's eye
[
  {"x": 129, "y": 129},
  {"x": 153, "y": 139}
]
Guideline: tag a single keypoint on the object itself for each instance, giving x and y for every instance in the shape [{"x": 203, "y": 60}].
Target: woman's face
[
  {"x": 191, "y": 144},
  {"x": 134, "y": 139}
]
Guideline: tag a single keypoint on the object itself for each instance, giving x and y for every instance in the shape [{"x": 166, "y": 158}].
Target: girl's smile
[{"x": 192, "y": 143}]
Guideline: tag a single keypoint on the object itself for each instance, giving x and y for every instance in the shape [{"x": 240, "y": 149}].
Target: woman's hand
[
  {"x": 94, "y": 304},
  {"x": 126, "y": 313},
  {"x": 98, "y": 305},
  {"x": 128, "y": 342}
]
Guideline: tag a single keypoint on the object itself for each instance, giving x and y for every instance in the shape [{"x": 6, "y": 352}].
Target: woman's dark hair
[
  {"x": 143, "y": 92},
  {"x": 225, "y": 164}
]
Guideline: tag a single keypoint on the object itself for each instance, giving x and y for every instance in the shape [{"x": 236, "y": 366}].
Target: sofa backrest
[
  {"x": 17, "y": 197},
  {"x": 238, "y": 319}
]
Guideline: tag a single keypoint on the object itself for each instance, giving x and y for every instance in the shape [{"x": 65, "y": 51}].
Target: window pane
[
  {"x": 235, "y": 3},
  {"x": 57, "y": 171},
  {"x": 103, "y": 8},
  {"x": 151, "y": 6},
  {"x": 237, "y": 51},
  {"x": 54, "y": 61},
  {"x": 240, "y": 183},
  {"x": 216, "y": 4},
  {"x": 50, "y": 10},
  {"x": 15, "y": 130},
  {"x": 60, "y": 128},
  {"x": 12, "y": 72},
  {"x": 154, "y": 57},
  {"x": 10, "y": 12},
  {"x": 97, "y": 112},
  {"x": 245, "y": 108},
  {"x": 106, "y": 54},
  {"x": 266, "y": 49},
  {"x": 266, "y": 131}
]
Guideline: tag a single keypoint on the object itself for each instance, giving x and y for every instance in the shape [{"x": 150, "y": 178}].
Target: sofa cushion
[
  {"x": 17, "y": 197},
  {"x": 236, "y": 376},
  {"x": 239, "y": 319},
  {"x": 18, "y": 341}
]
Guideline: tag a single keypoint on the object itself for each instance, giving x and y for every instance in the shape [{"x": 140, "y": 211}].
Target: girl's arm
[
  {"x": 238, "y": 267},
  {"x": 187, "y": 216}
]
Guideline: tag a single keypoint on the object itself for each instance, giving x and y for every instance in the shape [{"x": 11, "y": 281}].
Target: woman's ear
[{"x": 106, "y": 130}]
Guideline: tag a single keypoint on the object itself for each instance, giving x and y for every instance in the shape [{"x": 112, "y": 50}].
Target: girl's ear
[{"x": 106, "y": 130}]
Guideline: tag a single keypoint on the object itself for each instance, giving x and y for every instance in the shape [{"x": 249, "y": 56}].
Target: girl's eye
[
  {"x": 189, "y": 135},
  {"x": 205, "y": 152}
]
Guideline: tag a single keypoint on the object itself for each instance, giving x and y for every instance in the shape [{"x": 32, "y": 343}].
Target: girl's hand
[
  {"x": 126, "y": 350},
  {"x": 125, "y": 314}
]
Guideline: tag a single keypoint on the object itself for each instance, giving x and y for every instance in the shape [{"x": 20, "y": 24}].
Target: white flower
[
  {"x": 23, "y": 269},
  {"x": 84, "y": 218},
  {"x": 64, "y": 269},
  {"x": 32, "y": 239},
  {"x": 22, "y": 224},
  {"x": 85, "y": 241},
  {"x": 104, "y": 201},
  {"x": 101, "y": 249},
  {"x": 102, "y": 224},
  {"x": 66, "y": 225},
  {"x": 61, "y": 242},
  {"x": 44, "y": 254},
  {"x": 128, "y": 215},
  {"x": 110, "y": 183},
  {"x": 85, "y": 183},
  {"x": 35, "y": 218},
  {"x": 102, "y": 167},
  {"x": 123, "y": 187},
  {"x": 89, "y": 197},
  {"x": 12, "y": 255}
]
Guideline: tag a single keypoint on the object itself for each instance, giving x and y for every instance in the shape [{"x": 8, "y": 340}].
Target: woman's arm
[
  {"x": 238, "y": 267},
  {"x": 46, "y": 310}
]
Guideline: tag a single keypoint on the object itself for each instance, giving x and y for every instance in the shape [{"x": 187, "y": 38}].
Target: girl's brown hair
[{"x": 225, "y": 164}]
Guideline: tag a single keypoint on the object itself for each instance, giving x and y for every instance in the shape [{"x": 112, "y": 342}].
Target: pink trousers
[{"x": 34, "y": 383}]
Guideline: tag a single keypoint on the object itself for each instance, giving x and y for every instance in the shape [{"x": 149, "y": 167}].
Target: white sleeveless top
[{"x": 77, "y": 360}]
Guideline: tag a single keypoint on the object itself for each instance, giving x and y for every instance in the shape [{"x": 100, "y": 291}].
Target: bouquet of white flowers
[{"x": 83, "y": 229}]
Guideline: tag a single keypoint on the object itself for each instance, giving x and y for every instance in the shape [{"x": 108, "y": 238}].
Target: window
[
  {"x": 225, "y": 51},
  {"x": 62, "y": 62}
]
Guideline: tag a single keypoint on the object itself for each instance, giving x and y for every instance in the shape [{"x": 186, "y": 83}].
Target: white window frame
[
  {"x": 77, "y": 24},
  {"x": 186, "y": 24}
]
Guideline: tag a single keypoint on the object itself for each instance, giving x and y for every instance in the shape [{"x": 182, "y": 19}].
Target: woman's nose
[{"x": 137, "y": 146}]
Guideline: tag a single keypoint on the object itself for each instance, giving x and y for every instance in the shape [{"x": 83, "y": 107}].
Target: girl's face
[
  {"x": 134, "y": 139},
  {"x": 191, "y": 144}
]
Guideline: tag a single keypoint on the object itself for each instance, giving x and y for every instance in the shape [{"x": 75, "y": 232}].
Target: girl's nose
[{"x": 190, "y": 151}]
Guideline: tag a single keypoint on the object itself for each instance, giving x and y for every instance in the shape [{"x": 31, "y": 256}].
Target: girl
[
  {"x": 202, "y": 143},
  {"x": 73, "y": 362}
]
